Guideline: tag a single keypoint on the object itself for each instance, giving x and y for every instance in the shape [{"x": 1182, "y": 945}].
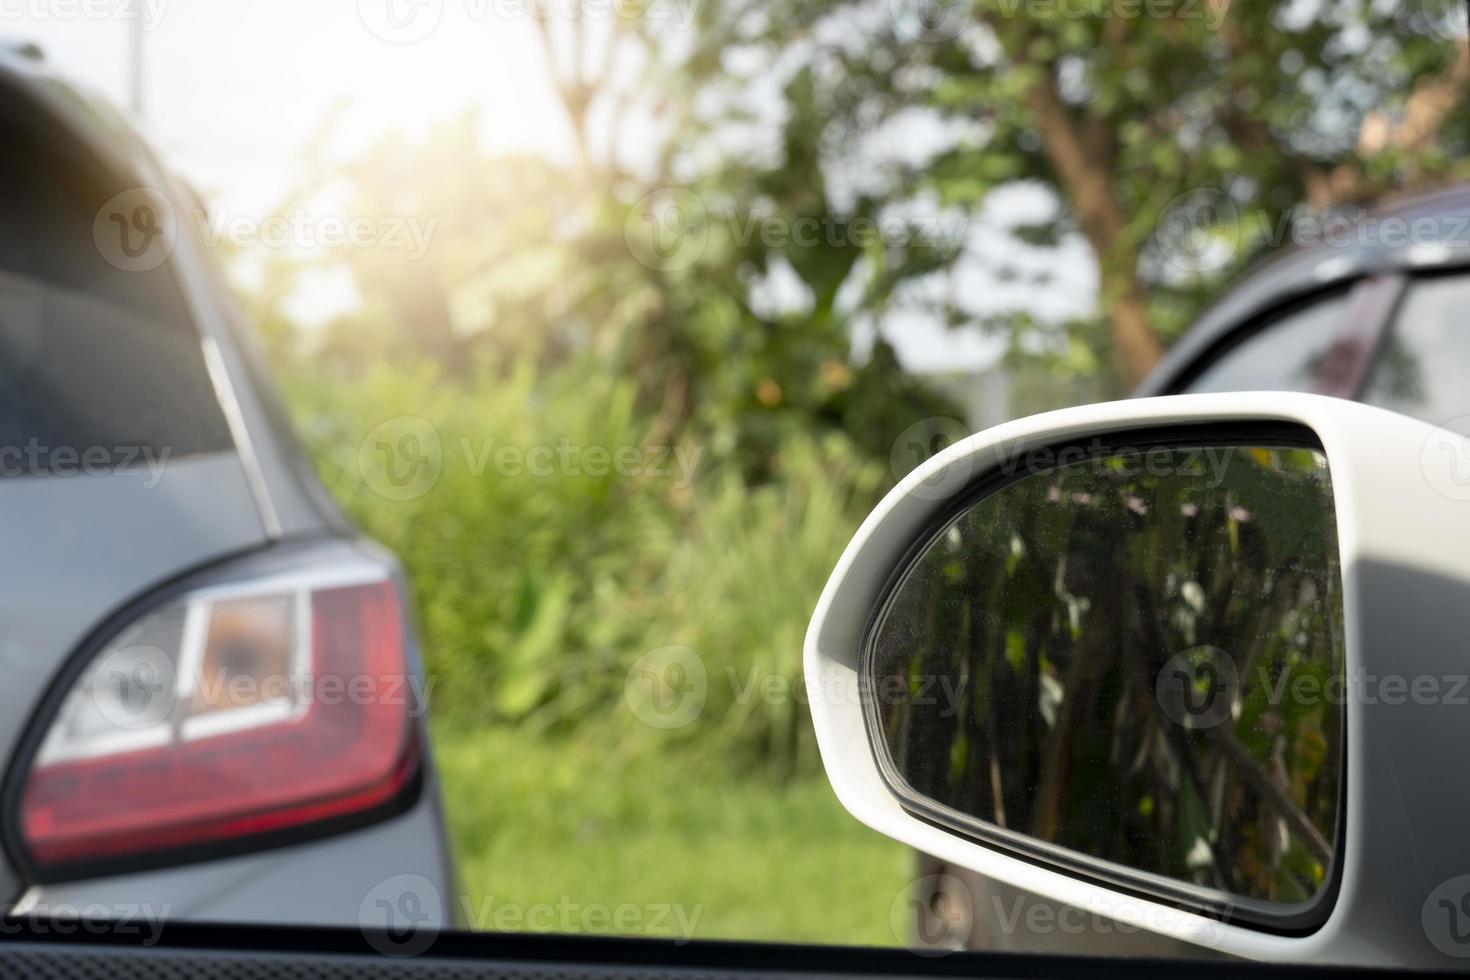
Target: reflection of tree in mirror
[{"x": 1036, "y": 632}]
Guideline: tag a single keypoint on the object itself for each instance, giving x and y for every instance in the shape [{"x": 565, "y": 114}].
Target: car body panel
[
  {"x": 83, "y": 546},
  {"x": 321, "y": 883}
]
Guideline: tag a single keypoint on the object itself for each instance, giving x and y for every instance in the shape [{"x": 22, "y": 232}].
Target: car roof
[{"x": 1421, "y": 232}]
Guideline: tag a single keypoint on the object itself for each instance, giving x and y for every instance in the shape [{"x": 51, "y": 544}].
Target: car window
[
  {"x": 1420, "y": 370},
  {"x": 100, "y": 362},
  {"x": 1286, "y": 354}
]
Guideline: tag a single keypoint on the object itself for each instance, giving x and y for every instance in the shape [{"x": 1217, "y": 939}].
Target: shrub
[{"x": 539, "y": 584}]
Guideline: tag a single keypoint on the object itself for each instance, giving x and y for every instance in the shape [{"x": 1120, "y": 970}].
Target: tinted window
[
  {"x": 97, "y": 362},
  {"x": 1424, "y": 365},
  {"x": 1135, "y": 658},
  {"x": 1285, "y": 355}
]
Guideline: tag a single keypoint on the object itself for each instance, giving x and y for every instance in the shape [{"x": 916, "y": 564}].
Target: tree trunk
[
  {"x": 1085, "y": 171},
  {"x": 1136, "y": 345}
]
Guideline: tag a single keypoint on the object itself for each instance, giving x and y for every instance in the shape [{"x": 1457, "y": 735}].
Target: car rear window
[
  {"x": 100, "y": 364},
  {"x": 1287, "y": 353},
  {"x": 1420, "y": 370}
]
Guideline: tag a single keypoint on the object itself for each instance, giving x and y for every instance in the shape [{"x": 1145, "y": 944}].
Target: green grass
[
  {"x": 536, "y": 595},
  {"x": 568, "y": 834}
]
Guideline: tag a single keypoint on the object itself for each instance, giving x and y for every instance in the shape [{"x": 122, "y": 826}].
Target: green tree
[{"x": 1207, "y": 120}]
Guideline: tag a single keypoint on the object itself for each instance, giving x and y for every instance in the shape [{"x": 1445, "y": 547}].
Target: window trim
[{"x": 1372, "y": 310}]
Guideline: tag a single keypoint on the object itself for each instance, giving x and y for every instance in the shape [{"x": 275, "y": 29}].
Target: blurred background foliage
[{"x": 539, "y": 314}]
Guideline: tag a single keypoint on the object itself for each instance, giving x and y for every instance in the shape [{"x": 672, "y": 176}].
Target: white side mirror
[{"x": 1197, "y": 664}]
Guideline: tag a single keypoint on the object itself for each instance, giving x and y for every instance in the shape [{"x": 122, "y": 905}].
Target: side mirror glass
[{"x": 1092, "y": 661}]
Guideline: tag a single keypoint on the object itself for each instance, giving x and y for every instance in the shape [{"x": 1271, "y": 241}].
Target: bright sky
[{"x": 234, "y": 91}]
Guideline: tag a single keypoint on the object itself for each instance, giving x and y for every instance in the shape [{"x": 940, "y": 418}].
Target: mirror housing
[{"x": 1399, "y": 892}]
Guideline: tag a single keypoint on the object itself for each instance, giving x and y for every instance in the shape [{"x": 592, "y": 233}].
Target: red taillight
[{"x": 232, "y": 713}]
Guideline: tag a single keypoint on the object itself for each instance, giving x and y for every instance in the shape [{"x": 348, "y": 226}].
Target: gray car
[{"x": 213, "y": 703}]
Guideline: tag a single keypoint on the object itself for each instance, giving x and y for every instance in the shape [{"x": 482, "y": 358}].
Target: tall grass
[{"x": 537, "y": 592}]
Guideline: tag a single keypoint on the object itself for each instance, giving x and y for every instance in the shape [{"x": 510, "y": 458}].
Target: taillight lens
[{"x": 230, "y": 712}]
